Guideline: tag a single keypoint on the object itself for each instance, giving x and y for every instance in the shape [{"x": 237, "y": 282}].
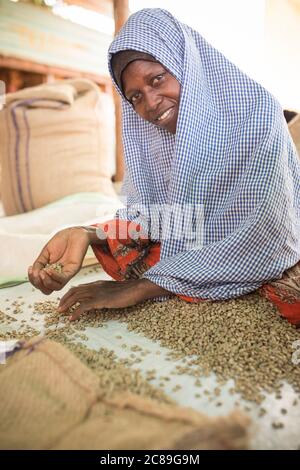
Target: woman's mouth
[{"x": 165, "y": 116}]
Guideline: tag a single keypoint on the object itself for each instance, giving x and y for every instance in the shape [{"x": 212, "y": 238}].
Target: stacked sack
[
  {"x": 294, "y": 128},
  {"x": 56, "y": 140}
]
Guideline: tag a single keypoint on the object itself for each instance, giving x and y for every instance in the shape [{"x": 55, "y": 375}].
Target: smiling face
[{"x": 153, "y": 92}]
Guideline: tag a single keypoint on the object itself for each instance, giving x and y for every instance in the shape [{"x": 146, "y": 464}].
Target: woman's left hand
[{"x": 109, "y": 294}]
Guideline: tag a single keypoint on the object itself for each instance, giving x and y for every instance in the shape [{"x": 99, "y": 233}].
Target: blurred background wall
[{"x": 282, "y": 51}]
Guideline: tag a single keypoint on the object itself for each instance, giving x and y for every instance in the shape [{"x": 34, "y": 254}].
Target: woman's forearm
[
  {"x": 142, "y": 289},
  {"x": 149, "y": 290}
]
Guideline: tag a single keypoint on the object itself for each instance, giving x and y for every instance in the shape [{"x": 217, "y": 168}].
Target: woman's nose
[{"x": 152, "y": 100}]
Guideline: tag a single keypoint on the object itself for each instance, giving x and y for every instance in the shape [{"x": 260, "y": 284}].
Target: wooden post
[{"x": 121, "y": 13}]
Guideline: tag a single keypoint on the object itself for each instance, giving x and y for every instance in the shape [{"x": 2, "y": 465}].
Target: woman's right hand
[{"x": 68, "y": 247}]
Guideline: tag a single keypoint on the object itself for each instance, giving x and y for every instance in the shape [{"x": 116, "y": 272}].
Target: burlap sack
[
  {"x": 50, "y": 400},
  {"x": 56, "y": 140},
  {"x": 294, "y": 128}
]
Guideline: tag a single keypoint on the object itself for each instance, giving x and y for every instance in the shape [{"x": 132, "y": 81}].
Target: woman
[{"x": 202, "y": 137}]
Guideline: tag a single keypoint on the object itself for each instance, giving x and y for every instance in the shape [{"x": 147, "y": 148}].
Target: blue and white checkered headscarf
[{"x": 232, "y": 153}]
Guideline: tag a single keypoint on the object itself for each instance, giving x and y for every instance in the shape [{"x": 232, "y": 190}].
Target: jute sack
[
  {"x": 50, "y": 400},
  {"x": 56, "y": 140},
  {"x": 294, "y": 128}
]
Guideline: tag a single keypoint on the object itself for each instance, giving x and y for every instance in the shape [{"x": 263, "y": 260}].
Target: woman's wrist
[{"x": 96, "y": 235}]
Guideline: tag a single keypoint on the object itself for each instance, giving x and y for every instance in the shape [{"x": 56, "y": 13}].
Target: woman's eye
[
  {"x": 158, "y": 78},
  {"x": 135, "y": 98}
]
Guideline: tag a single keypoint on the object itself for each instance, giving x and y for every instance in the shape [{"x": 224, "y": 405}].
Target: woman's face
[{"x": 153, "y": 92}]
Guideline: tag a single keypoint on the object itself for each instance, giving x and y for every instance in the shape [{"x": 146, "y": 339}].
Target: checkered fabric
[{"x": 232, "y": 154}]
